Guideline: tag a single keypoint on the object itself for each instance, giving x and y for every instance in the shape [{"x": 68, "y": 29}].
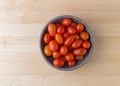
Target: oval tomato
[
  {"x": 77, "y": 43},
  {"x": 79, "y": 58},
  {"x": 71, "y": 63},
  {"x": 69, "y": 57},
  {"x": 71, "y": 30},
  {"x": 53, "y": 45},
  {"x": 79, "y": 51},
  {"x": 80, "y": 28},
  {"x": 47, "y": 38},
  {"x": 47, "y": 51},
  {"x": 58, "y": 62},
  {"x": 59, "y": 38},
  {"x": 86, "y": 44},
  {"x": 52, "y": 29},
  {"x": 63, "y": 50},
  {"x": 84, "y": 35},
  {"x": 56, "y": 54},
  {"x": 61, "y": 29},
  {"x": 66, "y": 22},
  {"x": 76, "y": 36},
  {"x": 69, "y": 41},
  {"x": 65, "y": 35}
]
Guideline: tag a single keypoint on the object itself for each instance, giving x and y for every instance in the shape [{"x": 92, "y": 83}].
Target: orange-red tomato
[
  {"x": 71, "y": 30},
  {"x": 53, "y": 45},
  {"x": 65, "y": 35},
  {"x": 52, "y": 29},
  {"x": 77, "y": 43},
  {"x": 61, "y": 29},
  {"x": 47, "y": 51},
  {"x": 58, "y": 62},
  {"x": 71, "y": 63},
  {"x": 76, "y": 36},
  {"x": 80, "y": 28},
  {"x": 69, "y": 57},
  {"x": 69, "y": 41},
  {"x": 74, "y": 24},
  {"x": 79, "y": 58},
  {"x": 84, "y": 35},
  {"x": 59, "y": 38},
  {"x": 79, "y": 51},
  {"x": 56, "y": 54},
  {"x": 63, "y": 50},
  {"x": 86, "y": 44},
  {"x": 47, "y": 38},
  {"x": 66, "y": 22}
]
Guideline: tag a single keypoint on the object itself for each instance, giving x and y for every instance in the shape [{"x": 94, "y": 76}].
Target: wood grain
[{"x": 20, "y": 61}]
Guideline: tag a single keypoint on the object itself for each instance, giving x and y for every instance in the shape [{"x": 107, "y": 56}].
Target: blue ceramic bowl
[{"x": 79, "y": 63}]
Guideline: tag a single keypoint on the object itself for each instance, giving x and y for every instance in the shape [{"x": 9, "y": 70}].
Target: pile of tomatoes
[{"x": 66, "y": 42}]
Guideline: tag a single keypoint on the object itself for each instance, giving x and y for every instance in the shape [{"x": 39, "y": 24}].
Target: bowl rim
[{"x": 88, "y": 29}]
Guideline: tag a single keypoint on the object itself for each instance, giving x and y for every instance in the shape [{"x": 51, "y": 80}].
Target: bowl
[{"x": 79, "y": 63}]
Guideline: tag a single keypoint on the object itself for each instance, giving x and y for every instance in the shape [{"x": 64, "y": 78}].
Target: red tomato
[
  {"x": 47, "y": 38},
  {"x": 56, "y": 54},
  {"x": 65, "y": 35},
  {"x": 84, "y": 35},
  {"x": 77, "y": 43},
  {"x": 52, "y": 29},
  {"x": 76, "y": 36},
  {"x": 61, "y": 29},
  {"x": 53, "y": 45},
  {"x": 58, "y": 62},
  {"x": 59, "y": 38},
  {"x": 66, "y": 22},
  {"x": 80, "y": 28},
  {"x": 47, "y": 51},
  {"x": 86, "y": 44},
  {"x": 74, "y": 24},
  {"x": 79, "y": 58},
  {"x": 71, "y": 30},
  {"x": 69, "y": 57},
  {"x": 69, "y": 41},
  {"x": 63, "y": 50},
  {"x": 79, "y": 51},
  {"x": 71, "y": 63}
]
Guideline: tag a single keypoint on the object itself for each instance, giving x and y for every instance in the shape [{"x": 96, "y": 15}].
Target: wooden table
[{"x": 20, "y": 60}]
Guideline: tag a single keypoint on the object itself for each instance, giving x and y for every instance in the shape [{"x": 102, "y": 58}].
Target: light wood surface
[{"x": 20, "y": 60}]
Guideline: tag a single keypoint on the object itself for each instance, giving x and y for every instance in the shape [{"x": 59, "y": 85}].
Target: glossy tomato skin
[
  {"x": 52, "y": 29},
  {"x": 59, "y": 38},
  {"x": 47, "y": 51},
  {"x": 61, "y": 29},
  {"x": 77, "y": 43},
  {"x": 53, "y": 45},
  {"x": 47, "y": 38},
  {"x": 69, "y": 41},
  {"x": 56, "y": 54},
  {"x": 80, "y": 28},
  {"x": 66, "y": 22},
  {"x": 79, "y": 58},
  {"x": 86, "y": 44},
  {"x": 84, "y": 35},
  {"x": 58, "y": 62},
  {"x": 79, "y": 51},
  {"x": 63, "y": 50},
  {"x": 71, "y": 30},
  {"x": 65, "y": 35},
  {"x": 71, "y": 63},
  {"x": 69, "y": 57}
]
